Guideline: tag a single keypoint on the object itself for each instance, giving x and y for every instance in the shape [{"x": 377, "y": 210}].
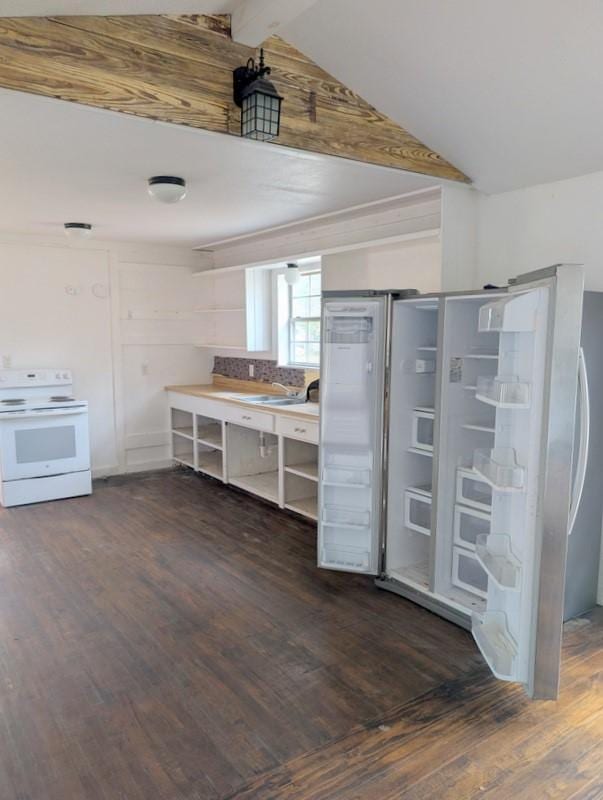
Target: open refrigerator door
[
  {"x": 351, "y": 438},
  {"x": 527, "y": 468}
]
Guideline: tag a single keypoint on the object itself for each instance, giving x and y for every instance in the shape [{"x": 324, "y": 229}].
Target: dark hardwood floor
[{"x": 169, "y": 638}]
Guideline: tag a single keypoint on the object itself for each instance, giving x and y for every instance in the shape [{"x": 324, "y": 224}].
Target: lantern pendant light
[{"x": 258, "y": 100}]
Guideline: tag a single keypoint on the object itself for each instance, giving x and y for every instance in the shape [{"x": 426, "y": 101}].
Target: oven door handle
[{"x": 59, "y": 412}]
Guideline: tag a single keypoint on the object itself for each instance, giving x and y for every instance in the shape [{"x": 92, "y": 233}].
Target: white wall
[
  {"x": 60, "y": 307},
  {"x": 542, "y": 225},
  {"x": 402, "y": 265}
]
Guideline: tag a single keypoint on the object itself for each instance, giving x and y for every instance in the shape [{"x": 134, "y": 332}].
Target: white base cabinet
[{"x": 270, "y": 455}]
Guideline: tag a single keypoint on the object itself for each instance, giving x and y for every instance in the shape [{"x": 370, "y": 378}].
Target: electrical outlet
[{"x": 251, "y": 370}]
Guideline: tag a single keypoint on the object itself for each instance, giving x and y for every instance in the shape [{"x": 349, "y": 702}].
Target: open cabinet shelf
[
  {"x": 210, "y": 463},
  {"x": 308, "y": 470},
  {"x": 264, "y": 484},
  {"x": 307, "y": 507}
]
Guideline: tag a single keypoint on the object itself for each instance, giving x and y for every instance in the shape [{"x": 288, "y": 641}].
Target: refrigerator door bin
[
  {"x": 503, "y": 392},
  {"x": 353, "y": 517},
  {"x": 346, "y": 476},
  {"x": 467, "y": 573},
  {"x": 469, "y": 523},
  {"x": 492, "y": 636},
  {"x": 514, "y": 313},
  {"x": 345, "y": 557},
  {"x": 494, "y": 554},
  {"x": 417, "y": 511},
  {"x": 422, "y": 429},
  {"x": 499, "y": 468},
  {"x": 472, "y": 491}
]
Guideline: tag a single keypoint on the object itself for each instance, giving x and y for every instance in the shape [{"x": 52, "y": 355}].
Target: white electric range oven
[{"x": 44, "y": 440}]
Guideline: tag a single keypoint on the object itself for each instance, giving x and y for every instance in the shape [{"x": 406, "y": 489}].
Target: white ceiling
[
  {"x": 509, "y": 91},
  {"x": 61, "y": 162}
]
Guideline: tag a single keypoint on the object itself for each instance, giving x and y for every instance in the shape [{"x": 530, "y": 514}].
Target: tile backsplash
[{"x": 264, "y": 370}]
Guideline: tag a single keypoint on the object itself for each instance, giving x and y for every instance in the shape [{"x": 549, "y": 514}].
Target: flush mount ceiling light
[
  {"x": 77, "y": 230},
  {"x": 292, "y": 274},
  {"x": 167, "y": 188},
  {"x": 258, "y": 100}
]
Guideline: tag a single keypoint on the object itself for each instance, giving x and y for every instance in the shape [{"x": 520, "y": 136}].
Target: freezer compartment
[
  {"x": 496, "y": 557},
  {"x": 467, "y": 572},
  {"x": 472, "y": 491},
  {"x": 422, "y": 429},
  {"x": 503, "y": 392},
  {"x": 417, "y": 510},
  {"x": 515, "y": 313},
  {"x": 497, "y": 646},
  {"x": 499, "y": 468},
  {"x": 469, "y": 523}
]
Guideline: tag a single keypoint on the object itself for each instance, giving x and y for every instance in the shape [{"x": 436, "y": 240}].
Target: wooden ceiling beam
[{"x": 179, "y": 69}]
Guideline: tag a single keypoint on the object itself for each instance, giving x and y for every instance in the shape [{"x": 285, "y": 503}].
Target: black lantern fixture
[{"x": 258, "y": 100}]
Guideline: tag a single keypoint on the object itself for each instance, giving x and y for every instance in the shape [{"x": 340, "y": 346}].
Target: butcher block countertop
[{"x": 231, "y": 391}]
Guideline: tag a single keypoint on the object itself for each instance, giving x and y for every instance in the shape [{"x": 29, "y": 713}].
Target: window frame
[{"x": 291, "y": 320}]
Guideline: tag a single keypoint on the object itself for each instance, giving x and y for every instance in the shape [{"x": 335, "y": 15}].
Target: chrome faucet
[{"x": 287, "y": 391}]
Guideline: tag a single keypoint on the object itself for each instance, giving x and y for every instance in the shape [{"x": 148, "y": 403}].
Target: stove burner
[
  {"x": 60, "y": 398},
  {"x": 13, "y": 401}
]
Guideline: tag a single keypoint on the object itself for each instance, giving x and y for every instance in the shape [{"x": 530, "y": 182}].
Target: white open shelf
[
  {"x": 308, "y": 470},
  {"x": 496, "y": 557},
  {"x": 218, "y": 309},
  {"x": 211, "y": 435},
  {"x": 264, "y": 484},
  {"x": 210, "y": 463},
  {"x": 185, "y": 461},
  {"x": 307, "y": 506},
  {"x": 499, "y": 468},
  {"x": 186, "y": 433},
  {"x": 491, "y": 633}
]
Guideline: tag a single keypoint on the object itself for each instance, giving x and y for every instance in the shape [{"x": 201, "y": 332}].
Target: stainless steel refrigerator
[{"x": 458, "y": 463}]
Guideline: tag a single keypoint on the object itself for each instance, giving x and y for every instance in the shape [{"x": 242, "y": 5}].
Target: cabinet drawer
[
  {"x": 258, "y": 420},
  {"x": 297, "y": 429}
]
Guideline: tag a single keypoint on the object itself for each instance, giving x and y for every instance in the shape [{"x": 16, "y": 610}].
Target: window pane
[
  {"x": 300, "y": 331},
  {"x": 302, "y": 287},
  {"x": 300, "y": 307},
  {"x": 315, "y": 283},
  {"x": 313, "y": 353},
  {"x": 299, "y": 353},
  {"x": 314, "y": 331},
  {"x": 314, "y": 307}
]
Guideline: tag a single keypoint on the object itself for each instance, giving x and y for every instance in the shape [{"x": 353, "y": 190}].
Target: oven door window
[
  {"x": 45, "y": 444},
  {"x": 35, "y": 447}
]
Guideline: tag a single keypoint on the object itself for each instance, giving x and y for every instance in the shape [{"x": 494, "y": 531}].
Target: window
[
  {"x": 304, "y": 320},
  {"x": 296, "y": 320}
]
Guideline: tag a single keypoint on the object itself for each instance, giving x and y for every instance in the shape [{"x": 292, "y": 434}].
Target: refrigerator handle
[{"x": 583, "y": 444}]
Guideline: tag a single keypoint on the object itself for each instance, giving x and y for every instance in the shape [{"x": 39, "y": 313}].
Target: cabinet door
[
  {"x": 529, "y": 469},
  {"x": 351, "y": 433}
]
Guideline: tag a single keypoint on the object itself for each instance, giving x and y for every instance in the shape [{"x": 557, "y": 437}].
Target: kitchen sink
[{"x": 272, "y": 400}]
